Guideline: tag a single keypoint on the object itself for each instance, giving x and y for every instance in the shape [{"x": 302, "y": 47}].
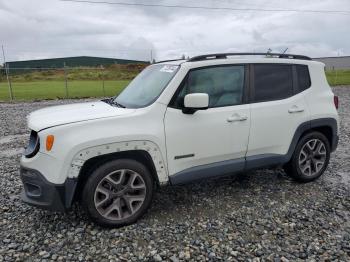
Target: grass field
[
  {"x": 37, "y": 90},
  {"x": 86, "y": 83},
  {"x": 338, "y": 77},
  {"x": 82, "y": 82}
]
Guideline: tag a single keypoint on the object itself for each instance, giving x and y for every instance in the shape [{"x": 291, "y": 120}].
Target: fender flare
[
  {"x": 312, "y": 124},
  {"x": 148, "y": 146}
]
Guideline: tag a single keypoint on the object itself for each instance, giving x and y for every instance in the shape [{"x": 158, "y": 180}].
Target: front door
[{"x": 215, "y": 135}]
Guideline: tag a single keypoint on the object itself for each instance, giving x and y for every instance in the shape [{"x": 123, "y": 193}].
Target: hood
[{"x": 66, "y": 114}]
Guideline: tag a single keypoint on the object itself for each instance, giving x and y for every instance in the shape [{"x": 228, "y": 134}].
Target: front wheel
[
  {"x": 118, "y": 193},
  {"x": 310, "y": 158}
]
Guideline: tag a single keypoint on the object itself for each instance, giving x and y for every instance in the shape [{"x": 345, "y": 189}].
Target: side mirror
[{"x": 194, "y": 102}]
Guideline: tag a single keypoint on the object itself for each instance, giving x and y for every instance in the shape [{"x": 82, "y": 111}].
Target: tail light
[{"x": 336, "y": 102}]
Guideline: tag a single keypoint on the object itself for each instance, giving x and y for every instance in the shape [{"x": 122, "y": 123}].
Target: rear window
[
  {"x": 272, "y": 82},
  {"x": 304, "y": 81}
]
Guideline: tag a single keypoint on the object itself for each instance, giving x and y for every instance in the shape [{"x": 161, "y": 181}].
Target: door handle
[
  {"x": 236, "y": 118},
  {"x": 295, "y": 109}
]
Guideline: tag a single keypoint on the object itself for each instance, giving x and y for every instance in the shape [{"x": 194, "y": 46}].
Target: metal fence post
[
  {"x": 103, "y": 84},
  {"x": 9, "y": 81},
  {"x": 336, "y": 77},
  {"x": 65, "y": 79},
  {"x": 7, "y": 71},
  {"x": 103, "y": 87}
]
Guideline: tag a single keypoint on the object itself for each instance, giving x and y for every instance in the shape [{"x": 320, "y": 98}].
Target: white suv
[{"x": 180, "y": 121}]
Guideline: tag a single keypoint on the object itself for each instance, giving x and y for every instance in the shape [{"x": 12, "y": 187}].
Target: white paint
[
  {"x": 86, "y": 130},
  {"x": 196, "y": 100},
  {"x": 207, "y": 134},
  {"x": 65, "y": 114},
  {"x": 273, "y": 127}
]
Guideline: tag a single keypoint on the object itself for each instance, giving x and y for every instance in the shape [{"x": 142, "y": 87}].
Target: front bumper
[{"x": 43, "y": 194}]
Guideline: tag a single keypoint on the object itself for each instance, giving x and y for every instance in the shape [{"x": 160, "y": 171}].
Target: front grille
[{"x": 33, "y": 145}]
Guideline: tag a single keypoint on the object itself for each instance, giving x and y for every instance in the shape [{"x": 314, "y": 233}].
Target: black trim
[
  {"x": 178, "y": 90},
  {"x": 183, "y": 156},
  {"x": 253, "y": 162},
  {"x": 246, "y": 85},
  {"x": 192, "y": 110},
  {"x": 328, "y": 122},
  {"x": 33, "y": 145},
  {"x": 225, "y": 55},
  {"x": 207, "y": 171},
  {"x": 264, "y": 160},
  {"x": 295, "y": 80},
  {"x": 44, "y": 194},
  {"x": 251, "y": 91},
  {"x": 335, "y": 141}
]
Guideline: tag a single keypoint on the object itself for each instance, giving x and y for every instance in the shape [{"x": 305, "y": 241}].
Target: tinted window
[
  {"x": 223, "y": 84},
  {"x": 272, "y": 82},
  {"x": 304, "y": 81}
]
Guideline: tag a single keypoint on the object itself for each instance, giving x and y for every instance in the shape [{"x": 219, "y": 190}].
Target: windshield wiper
[
  {"x": 111, "y": 101},
  {"x": 118, "y": 104}
]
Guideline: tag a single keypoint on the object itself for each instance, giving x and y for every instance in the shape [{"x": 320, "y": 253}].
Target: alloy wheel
[
  {"x": 312, "y": 157},
  {"x": 120, "y": 194}
]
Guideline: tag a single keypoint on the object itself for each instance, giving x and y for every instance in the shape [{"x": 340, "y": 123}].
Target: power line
[
  {"x": 339, "y": 12},
  {"x": 235, "y": 2}
]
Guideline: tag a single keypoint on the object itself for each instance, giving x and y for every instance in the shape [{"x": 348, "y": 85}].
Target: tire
[
  {"x": 118, "y": 193},
  {"x": 305, "y": 164}
]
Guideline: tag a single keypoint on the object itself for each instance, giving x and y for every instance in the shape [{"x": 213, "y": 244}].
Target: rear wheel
[
  {"x": 310, "y": 158},
  {"x": 118, "y": 193}
]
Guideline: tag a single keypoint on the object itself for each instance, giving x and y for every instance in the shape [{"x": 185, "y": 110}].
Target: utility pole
[
  {"x": 151, "y": 56},
  {"x": 7, "y": 73}
]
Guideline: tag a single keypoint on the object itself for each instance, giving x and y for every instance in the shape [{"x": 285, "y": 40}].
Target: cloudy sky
[{"x": 32, "y": 29}]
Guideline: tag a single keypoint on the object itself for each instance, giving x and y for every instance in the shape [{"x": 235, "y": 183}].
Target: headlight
[{"x": 33, "y": 146}]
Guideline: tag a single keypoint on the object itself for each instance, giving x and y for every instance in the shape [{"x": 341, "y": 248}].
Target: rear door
[{"x": 277, "y": 109}]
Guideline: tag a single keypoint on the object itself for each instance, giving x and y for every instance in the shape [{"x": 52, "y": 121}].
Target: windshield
[{"x": 147, "y": 86}]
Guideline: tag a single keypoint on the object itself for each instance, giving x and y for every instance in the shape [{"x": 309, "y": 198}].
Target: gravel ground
[{"x": 259, "y": 216}]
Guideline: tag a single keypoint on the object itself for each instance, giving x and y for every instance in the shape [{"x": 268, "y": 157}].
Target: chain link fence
[{"x": 66, "y": 82}]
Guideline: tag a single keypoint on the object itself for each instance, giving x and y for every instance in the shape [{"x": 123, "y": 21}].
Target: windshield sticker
[{"x": 168, "y": 68}]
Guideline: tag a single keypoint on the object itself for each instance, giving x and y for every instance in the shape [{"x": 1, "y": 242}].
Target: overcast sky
[{"x": 32, "y": 29}]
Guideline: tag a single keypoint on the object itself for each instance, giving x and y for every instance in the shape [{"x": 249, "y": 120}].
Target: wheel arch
[
  {"x": 146, "y": 152},
  {"x": 329, "y": 128},
  {"x": 91, "y": 164},
  {"x": 326, "y": 126}
]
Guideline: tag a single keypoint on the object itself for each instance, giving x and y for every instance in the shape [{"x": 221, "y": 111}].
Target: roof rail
[{"x": 225, "y": 55}]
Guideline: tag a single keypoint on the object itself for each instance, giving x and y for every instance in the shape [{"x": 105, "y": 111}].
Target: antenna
[{"x": 285, "y": 50}]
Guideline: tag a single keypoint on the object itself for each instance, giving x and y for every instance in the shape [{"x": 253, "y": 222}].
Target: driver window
[{"x": 223, "y": 84}]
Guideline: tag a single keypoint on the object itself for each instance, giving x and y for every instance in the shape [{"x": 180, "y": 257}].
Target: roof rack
[{"x": 225, "y": 55}]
